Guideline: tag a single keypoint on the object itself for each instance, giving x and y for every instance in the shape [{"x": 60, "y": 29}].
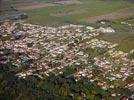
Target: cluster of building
[{"x": 49, "y": 50}]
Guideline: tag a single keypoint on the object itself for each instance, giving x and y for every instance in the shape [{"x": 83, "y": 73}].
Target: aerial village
[{"x": 50, "y": 50}]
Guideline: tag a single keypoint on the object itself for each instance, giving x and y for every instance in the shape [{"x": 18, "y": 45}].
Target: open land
[{"x": 82, "y": 11}]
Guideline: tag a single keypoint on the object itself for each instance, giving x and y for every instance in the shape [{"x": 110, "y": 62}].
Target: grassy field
[
  {"x": 125, "y": 40},
  {"x": 75, "y": 13}
]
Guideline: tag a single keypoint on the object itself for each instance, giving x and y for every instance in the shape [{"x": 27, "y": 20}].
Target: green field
[
  {"x": 75, "y": 13},
  {"x": 125, "y": 40}
]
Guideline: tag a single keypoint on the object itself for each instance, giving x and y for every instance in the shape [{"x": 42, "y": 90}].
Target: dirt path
[
  {"x": 41, "y": 5},
  {"x": 123, "y": 13}
]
